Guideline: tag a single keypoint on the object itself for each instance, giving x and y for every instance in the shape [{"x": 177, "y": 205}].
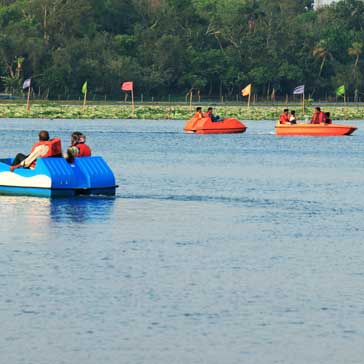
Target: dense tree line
[{"x": 168, "y": 47}]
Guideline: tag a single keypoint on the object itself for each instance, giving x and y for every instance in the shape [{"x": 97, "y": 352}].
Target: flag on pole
[
  {"x": 246, "y": 91},
  {"x": 299, "y": 90},
  {"x": 340, "y": 91},
  {"x": 84, "y": 88},
  {"x": 127, "y": 86},
  {"x": 26, "y": 83}
]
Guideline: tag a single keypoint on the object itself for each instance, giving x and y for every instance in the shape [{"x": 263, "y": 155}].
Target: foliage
[
  {"x": 168, "y": 47},
  {"x": 61, "y": 110}
]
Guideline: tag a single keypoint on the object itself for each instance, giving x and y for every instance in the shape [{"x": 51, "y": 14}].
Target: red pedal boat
[
  {"x": 314, "y": 129},
  {"x": 207, "y": 126}
]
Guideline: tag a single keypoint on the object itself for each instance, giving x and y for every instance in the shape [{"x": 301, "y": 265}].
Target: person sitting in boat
[
  {"x": 318, "y": 116},
  {"x": 292, "y": 117},
  {"x": 284, "y": 118},
  {"x": 78, "y": 147},
  {"x": 328, "y": 119},
  {"x": 198, "y": 113},
  {"x": 210, "y": 114},
  {"x": 43, "y": 148}
]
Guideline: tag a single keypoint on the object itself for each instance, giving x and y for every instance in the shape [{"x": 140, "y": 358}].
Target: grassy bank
[{"x": 59, "y": 110}]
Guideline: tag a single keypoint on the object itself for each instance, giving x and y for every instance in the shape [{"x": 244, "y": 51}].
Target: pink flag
[{"x": 127, "y": 86}]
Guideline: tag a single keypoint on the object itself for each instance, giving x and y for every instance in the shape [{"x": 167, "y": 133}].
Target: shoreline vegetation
[{"x": 169, "y": 111}]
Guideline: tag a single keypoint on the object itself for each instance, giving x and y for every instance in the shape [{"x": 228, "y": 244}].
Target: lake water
[{"x": 230, "y": 249}]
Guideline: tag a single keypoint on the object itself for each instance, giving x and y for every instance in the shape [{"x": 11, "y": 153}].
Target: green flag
[
  {"x": 340, "y": 91},
  {"x": 84, "y": 88}
]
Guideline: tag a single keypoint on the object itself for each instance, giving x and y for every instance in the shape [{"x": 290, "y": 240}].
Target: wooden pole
[
  {"x": 191, "y": 95},
  {"x": 132, "y": 101},
  {"x": 84, "y": 100},
  {"x": 28, "y": 100},
  {"x": 303, "y": 103},
  {"x": 249, "y": 101}
]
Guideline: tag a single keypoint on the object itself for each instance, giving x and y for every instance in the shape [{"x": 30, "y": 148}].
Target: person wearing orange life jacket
[
  {"x": 318, "y": 117},
  {"x": 78, "y": 147},
  {"x": 284, "y": 118},
  {"x": 210, "y": 114},
  {"x": 198, "y": 113},
  {"x": 39, "y": 149}
]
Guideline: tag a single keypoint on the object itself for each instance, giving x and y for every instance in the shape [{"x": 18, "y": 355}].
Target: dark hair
[
  {"x": 293, "y": 112},
  {"x": 198, "y": 109},
  {"x": 318, "y": 108},
  {"x": 285, "y": 110},
  {"x": 327, "y": 114},
  {"x": 75, "y": 137},
  {"x": 209, "y": 109},
  {"x": 43, "y": 135}
]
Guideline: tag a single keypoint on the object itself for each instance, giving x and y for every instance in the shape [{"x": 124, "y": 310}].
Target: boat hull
[
  {"x": 54, "y": 177},
  {"x": 206, "y": 126},
  {"x": 314, "y": 130}
]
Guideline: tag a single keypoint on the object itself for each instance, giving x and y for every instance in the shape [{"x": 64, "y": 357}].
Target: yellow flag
[{"x": 246, "y": 91}]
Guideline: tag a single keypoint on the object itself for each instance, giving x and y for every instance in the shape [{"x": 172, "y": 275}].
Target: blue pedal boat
[{"x": 55, "y": 177}]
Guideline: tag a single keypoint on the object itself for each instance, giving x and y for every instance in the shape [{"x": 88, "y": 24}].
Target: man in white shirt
[{"x": 39, "y": 149}]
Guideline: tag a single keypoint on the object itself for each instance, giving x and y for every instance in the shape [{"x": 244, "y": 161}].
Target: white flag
[
  {"x": 299, "y": 90},
  {"x": 26, "y": 83}
]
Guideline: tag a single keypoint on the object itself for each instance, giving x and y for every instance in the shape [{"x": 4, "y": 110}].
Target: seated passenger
[
  {"x": 284, "y": 118},
  {"x": 209, "y": 114},
  {"x": 198, "y": 113},
  {"x": 43, "y": 148},
  {"x": 292, "y": 117},
  {"x": 78, "y": 147},
  {"x": 318, "y": 116},
  {"x": 328, "y": 119}
]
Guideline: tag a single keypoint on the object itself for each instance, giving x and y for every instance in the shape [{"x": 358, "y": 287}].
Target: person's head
[
  {"x": 209, "y": 109},
  {"x": 318, "y": 109},
  {"x": 198, "y": 109},
  {"x": 285, "y": 111},
  {"x": 293, "y": 112},
  {"x": 77, "y": 137},
  {"x": 43, "y": 135},
  {"x": 327, "y": 114}
]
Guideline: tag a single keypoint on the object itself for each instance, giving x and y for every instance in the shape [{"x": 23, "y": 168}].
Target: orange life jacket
[
  {"x": 322, "y": 117},
  {"x": 198, "y": 115},
  {"x": 54, "y": 149},
  {"x": 84, "y": 150},
  {"x": 318, "y": 117},
  {"x": 284, "y": 119},
  {"x": 208, "y": 115}
]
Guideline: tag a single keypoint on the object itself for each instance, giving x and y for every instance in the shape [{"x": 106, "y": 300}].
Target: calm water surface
[{"x": 217, "y": 249}]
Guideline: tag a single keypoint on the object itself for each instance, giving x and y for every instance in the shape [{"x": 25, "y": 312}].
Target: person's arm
[{"x": 37, "y": 152}]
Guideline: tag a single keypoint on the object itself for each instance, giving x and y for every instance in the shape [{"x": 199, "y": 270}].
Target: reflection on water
[
  {"x": 34, "y": 217},
  {"x": 81, "y": 209}
]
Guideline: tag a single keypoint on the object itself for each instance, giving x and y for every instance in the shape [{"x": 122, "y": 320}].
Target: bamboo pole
[
  {"x": 28, "y": 100},
  {"x": 84, "y": 100},
  {"x": 132, "y": 100}
]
